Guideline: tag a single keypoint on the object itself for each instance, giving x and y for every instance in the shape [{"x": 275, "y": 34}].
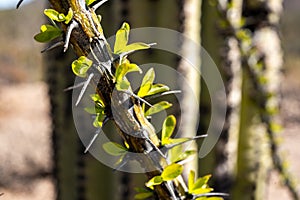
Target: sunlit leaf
[
  {"x": 90, "y": 110},
  {"x": 191, "y": 181},
  {"x": 121, "y": 38},
  {"x": 142, "y": 193},
  {"x": 183, "y": 156},
  {"x": 89, "y": 2},
  {"x": 135, "y": 47},
  {"x": 98, "y": 122},
  {"x": 156, "y": 180},
  {"x": 146, "y": 83},
  {"x": 167, "y": 129},
  {"x": 122, "y": 70},
  {"x": 201, "y": 184},
  {"x": 125, "y": 68},
  {"x": 123, "y": 85},
  {"x": 201, "y": 190},
  {"x": 69, "y": 16},
  {"x": 163, "y": 105},
  {"x": 171, "y": 172},
  {"x": 48, "y": 33},
  {"x": 54, "y": 15},
  {"x": 81, "y": 66},
  {"x": 174, "y": 153},
  {"x": 157, "y": 88},
  {"x": 114, "y": 149},
  {"x": 97, "y": 99}
]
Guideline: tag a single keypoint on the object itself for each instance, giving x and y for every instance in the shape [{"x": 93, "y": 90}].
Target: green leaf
[
  {"x": 90, "y": 110},
  {"x": 125, "y": 68},
  {"x": 171, "y": 172},
  {"x": 167, "y": 129},
  {"x": 81, "y": 66},
  {"x": 157, "y": 88},
  {"x": 98, "y": 122},
  {"x": 122, "y": 70},
  {"x": 69, "y": 16},
  {"x": 201, "y": 190},
  {"x": 121, "y": 38},
  {"x": 97, "y": 99},
  {"x": 135, "y": 47},
  {"x": 142, "y": 193},
  {"x": 174, "y": 153},
  {"x": 146, "y": 83},
  {"x": 201, "y": 186},
  {"x": 48, "y": 33},
  {"x": 54, "y": 15},
  {"x": 123, "y": 85},
  {"x": 183, "y": 156},
  {"x": 114, "y": 149},
  {"x": 89, "y": 2},
  {"x": 94, "y": 109},
  {"x": 156, "y": 180},
  {"x": 163, "y": 105},
  {"x": 191, "y": 181}
]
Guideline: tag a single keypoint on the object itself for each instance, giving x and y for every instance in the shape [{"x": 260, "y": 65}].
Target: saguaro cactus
[{"x": 254, "y": 60}]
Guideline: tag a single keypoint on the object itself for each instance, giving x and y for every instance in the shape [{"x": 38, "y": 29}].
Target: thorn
[
  {"x": 71, "y": 27},
  {"x": 137, "y": 97},
  {"x": 18, "y": 4},
  {"x": 86, "y": 83},
  {"x": 97, "y": 5},
  {"x": 170, "y": 146},
  {"x": 92, "y": 140},
  {"x": 219, "y": 194},
  {"x": 53, "y": 46},
  {"x": 74, "y": 86},
  {"x": 120, "y": 165}
]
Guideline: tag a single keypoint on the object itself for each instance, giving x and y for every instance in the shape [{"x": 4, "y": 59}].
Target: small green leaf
[
  {"x": 54, "y": 15},
  {"x": 94, "y": 109},
  {"x": 201, "y": 186},
  {"x": 191, "y": 181},
  {"x": 163, "y": 105},
  {"x": 121, "y": 38},
  {"x": 123, "y": 85},
  {"x": 135, "y": 47},
  {"x": 89, "y": 2},
  {"x": 90, "y": 110},
  {"x": 122, "y": 70},
  {"x": 167, "y": 129},
  {"x": 69, "y": 16},
  {"x": 156, "y": 180},
  {"x": 171, "y": 172},
  {"x": 114, "y": 149},
  {"x": 201, "y": 190},
  {"x": 174, "y": 153},
  {"x": 157, "y": 88},
  {"x": 81, "y": 66},
  {"x": 97, "y": 99},
  {"x": 142, "y": 193},
  {"x": 48, "y": 33},
  {"x": 98, "y": 122},
  {"x": 125, "y": 68},
  {"x": 183, "y": 156},
  {"x": 146, "y": 83}
]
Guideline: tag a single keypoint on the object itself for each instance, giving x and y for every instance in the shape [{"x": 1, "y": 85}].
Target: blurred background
[{"x": 39, "y": 163}]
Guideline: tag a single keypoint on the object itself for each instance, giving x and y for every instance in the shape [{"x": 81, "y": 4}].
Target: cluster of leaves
[{"x": 175, "y": 154}]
